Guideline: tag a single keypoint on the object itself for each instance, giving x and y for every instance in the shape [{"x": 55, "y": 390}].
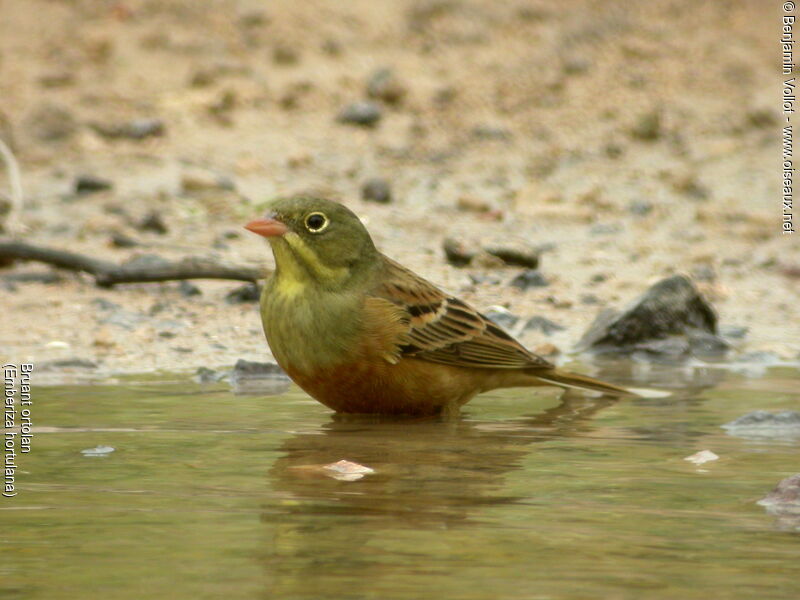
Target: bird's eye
[{"x": 317, "y": 222}]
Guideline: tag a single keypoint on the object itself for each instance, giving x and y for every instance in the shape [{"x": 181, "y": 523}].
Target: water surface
[{"x": 212, "y": 495}]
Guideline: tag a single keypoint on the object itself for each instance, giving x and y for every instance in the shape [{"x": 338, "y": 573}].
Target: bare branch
[{"x": 107, "y": 274}]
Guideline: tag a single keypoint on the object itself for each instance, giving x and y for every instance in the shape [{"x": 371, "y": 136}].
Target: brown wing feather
[{"x": 444, "y": 329}]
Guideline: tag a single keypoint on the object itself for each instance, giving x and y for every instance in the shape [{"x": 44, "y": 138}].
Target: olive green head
[{"x": 315, "y": 240}]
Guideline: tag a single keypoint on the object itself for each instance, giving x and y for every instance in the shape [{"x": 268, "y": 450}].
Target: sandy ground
[{"x": 636, "y": 140}]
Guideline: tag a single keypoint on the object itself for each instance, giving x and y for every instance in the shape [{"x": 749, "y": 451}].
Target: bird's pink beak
[{"x": 267, "y": 227}]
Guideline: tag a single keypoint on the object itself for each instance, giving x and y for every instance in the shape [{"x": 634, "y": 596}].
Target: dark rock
[
  {"x": 88, "y": 184},
  {"x": 188, "y": 289},
  {"x": 671, "y": 318},
  {"x": 484, "y": 279},
  {"x": 502, "y": 317},
  {"x": 376, "y": 189},
  {"x": 546, "y": 326},
  {"x": 614, "y": 151},
  {"x": 383, "y": 85},
  {"x": 784, "y": 503},
  {"x": 136, "y": 129},
  {"x": 648, "y": 127},
  {"x": 153, "y": 222},
  {"x": 258, "y": 378},
  {"x": 520, "y": 255},
  {"x": 121, "y": 240},
  {"x": 286, "y": 55},
  {"x": 690, "y": 186},
  {"x": 51, "y": 123},
  {"x": 589, "y": 299},
  {"x": 762, "y": 118},
  {"x": 456, "y": 253},
  {"x": 640, "y": 208},
  {"x": 363, "y": 113},
  {"x": 248, "y": 292},
  {"x": 764, "y": 424},
  {"x": 206, "y": 375},
  {"x": 529, "y": 278}
]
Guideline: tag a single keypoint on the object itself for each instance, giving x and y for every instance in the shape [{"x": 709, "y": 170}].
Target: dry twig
[{"x": 107, "y": 274}]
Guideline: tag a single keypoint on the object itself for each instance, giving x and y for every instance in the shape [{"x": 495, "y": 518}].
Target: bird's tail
[{"x": 566, "y": 379}]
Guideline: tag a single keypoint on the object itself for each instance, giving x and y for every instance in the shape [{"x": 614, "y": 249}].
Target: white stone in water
[
  {"x": 98, "y": 451},
  {"x": 702, "y": 457},
  {"x": 345, "y": 470}
]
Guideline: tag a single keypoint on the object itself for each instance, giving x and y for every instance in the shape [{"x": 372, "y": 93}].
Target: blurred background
[{"x": 619, "y": 142}]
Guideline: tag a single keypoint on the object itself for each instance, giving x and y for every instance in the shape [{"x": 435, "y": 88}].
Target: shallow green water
[{"x": 211, "y": 495}]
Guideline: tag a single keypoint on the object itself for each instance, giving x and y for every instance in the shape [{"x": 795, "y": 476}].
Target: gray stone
[
  {"x": 363, "y": 113},
  {"x": 671, "y": 318},
  {"x": 529, "y": 278},
  {"x": 544, "y": 325},
  {"x": 258, "y": 378},
  {"x": 376, "y": 189},
  {"x": 502, "y": 317},
  {"x": 764, "y": 424}
]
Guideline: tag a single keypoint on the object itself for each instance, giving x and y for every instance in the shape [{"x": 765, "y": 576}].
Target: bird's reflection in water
[
  {"x": 433, "y": 474},
  {"x": 330, "y": 538}
]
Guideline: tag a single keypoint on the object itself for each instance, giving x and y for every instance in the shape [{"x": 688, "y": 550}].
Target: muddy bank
[{"x": 630, "y": 144}]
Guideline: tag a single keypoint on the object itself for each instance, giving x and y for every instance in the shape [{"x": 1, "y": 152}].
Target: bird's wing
[{"x": 431, "y": 325}]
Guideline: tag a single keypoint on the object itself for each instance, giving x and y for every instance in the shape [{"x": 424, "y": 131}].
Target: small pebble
[
  {"x": 121, "y": 240},
  {"x": 363, "y": 113},
  {"x": 206, "y": 375},
  {"x": 457, "y": 253},
  {"x": 188, "y": 289},
  {"x": 542, "y": 324},
  {"x": 87, "y": 184},
  {"x": 648, "y": 127},
  {"x": 248, "y": 292},
  {"x": 383, "y": 85},
  {"x": 153, "y": 222},
  {"x": 376, "y": 189},
  {"x": 137, "y": 129},
  {"x": 250, "y": 377},
  {"x": 518, "y": 255},
  {"x": 702, "y": 457},
  {"x": 98, "y": 451},
  {"x": 501, "y": 316},
  {"x": 529, "y": 278}
]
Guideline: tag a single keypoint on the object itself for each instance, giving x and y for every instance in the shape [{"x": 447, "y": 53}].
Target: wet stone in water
[
  {"x": 258, "y": 378},
  {"x": 765, "y": 424}
]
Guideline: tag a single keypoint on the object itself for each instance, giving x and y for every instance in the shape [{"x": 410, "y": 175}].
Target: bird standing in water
[{"x": 363, "y": 334}]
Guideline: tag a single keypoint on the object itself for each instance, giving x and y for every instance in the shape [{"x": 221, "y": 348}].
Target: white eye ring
[{"x": 316, "y": 228}]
